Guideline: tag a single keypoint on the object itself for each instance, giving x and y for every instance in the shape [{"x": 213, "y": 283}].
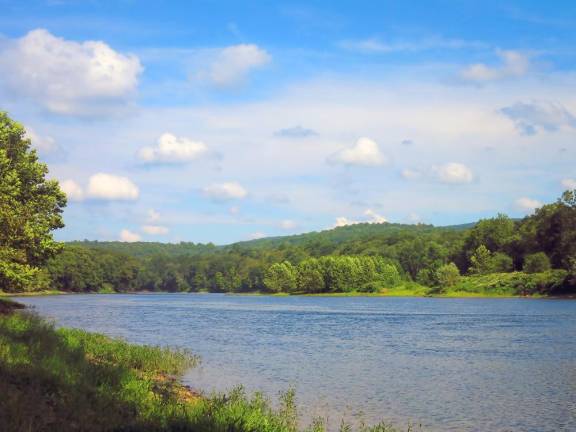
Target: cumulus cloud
[
  {"x": 531, "y": 118},
  {"x": 374, "y": 217},
  {"x": 103, "y": 186},
  {"x": 155, "y": 229},
  {"x": 513, "y": 65},
  {"x": 528, "y": 205},
  {"x": 225, "y": 191},
  {"x": 72, "y": 190},
  {"x": 569, "y": 183},
  {"x": 364, "y": 153},
  {"x": 231, "y": 65},
  {"x": 455, "y": 173},
  {"x": 129, "y": 236},
  {"x": 344, "y": 221},
  {"x": 370, "y": 217},
  {"x": 295, "y": 132},
  {"x": 172, "y": 149},
  {"x": 68, "y": 77}
]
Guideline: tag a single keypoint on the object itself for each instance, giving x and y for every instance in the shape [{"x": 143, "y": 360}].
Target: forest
[{"x": 536, "y": 255}]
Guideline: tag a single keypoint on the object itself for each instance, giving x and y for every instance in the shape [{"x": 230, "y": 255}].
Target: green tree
[
  {"x": 447, "y": 275},
  {"x": 30, "y": 209},
  {"x": 501, "y": 263},
  {"x": 480, "y": 261},
  {"x": 495, "y": 233},
  {"x": 536, "y": 263},
  {"x": 280, "y": 277},
  {"x": 552, "y": 230},
  {"x": 309, "y": 276}
]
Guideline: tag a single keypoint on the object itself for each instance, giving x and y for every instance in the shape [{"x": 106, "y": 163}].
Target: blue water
[{"x": 448, "y": 364}]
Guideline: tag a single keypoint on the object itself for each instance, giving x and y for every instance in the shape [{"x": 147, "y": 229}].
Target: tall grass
[{"x": 70, "y": 380}]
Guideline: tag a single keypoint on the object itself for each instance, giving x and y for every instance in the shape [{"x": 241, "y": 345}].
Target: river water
[{"x": 448, "y": 364}]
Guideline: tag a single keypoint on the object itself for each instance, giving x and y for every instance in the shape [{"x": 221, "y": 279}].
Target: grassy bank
[
  {"x": 551, "y": 283},
  {"x": 32, "y": 293},
  {"x": 70, "y": 380}
]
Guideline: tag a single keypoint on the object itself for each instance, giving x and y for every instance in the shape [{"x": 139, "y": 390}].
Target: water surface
[{"x": 449, "y": 364}]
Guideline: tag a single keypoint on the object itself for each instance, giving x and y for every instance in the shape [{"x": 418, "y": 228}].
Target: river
[{"x": 448, "y": 364}]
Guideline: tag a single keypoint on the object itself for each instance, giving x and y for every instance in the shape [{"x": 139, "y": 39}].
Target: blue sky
[{"x": 224, "y": 121}]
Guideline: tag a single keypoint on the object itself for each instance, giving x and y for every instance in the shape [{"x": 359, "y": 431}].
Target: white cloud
[
  {"x": 514, "y": 65},
  {"x": 364, "y": 153},
  {"x": 234, "y": 210},
  {"x": 344, "y": 221},
  {"x": 129, "y": 236},
  {"x": 530, "y": 118},
  {"x": 288, "y": 224},
  {"x": 72, "y": 190},
  {"x": 257, "y": 235},
  {"x": 155, "y": 229},
  {"x": 43, "y": 143},
  {"x": 173, "y": 149},
  {"x": 68, "y": 77},
  {"x": 410, "y": 174},
  {"x": 231, "y": 65},
  {"x": 528, "y": 204},
  {"x": 454, "y": 173},
  {"x": 569, "y": 183},
  {"x": 110, "y": 187},
  {"x": 225, "y": 191},
  {"x": 374, "y": 217},
  {"x": 377, "y": 46},
  {"x": 371, "y": 217}
]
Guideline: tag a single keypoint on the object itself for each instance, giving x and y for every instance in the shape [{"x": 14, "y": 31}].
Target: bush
[
  {"x": 536, "y": 263},
  {"x": 550, "y": 282},
  {"x": 501, "y": 263},
  {"x": 447, "y": 275},
  {"x": 426, "y": 277}
]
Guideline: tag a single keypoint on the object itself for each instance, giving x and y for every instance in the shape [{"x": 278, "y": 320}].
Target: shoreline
[{"x": 400, "y": 294}]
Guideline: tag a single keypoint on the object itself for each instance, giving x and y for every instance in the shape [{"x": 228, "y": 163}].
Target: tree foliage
[{"x": 30, "y": 209}]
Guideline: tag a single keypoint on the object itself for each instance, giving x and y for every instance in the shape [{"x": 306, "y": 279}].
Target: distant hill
[
  {"x": 142, "y": 249},
  {"x": 326, "y": 240}
]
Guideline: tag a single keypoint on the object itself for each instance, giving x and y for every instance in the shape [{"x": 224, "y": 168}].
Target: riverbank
[
  {"x": 549, "y": 284},
  {"x": 33, "y": 293},
  {"x": 67, "y": 379}
]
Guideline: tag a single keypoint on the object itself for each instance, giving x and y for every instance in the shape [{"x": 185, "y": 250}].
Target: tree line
[{"x": 364, "y": 258}]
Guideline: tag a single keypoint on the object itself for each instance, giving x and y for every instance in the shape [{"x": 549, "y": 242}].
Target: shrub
[
  {"x": 426, "y": 277},
  {"x": 480, "y": 261},
  {"x": 501, "y": 263},
  {"x": 447, "y": 275},
  {"x": 536, "y": 263}
]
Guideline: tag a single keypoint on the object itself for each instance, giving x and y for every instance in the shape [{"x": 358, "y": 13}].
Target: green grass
[
  {"x": 515, "y": 284},
  {"x": 32, "y": 293},
  {"x": 66, "y": 380}
]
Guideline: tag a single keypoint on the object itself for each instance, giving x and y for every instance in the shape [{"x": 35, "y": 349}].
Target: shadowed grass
[{"x": 71, "y": 380}]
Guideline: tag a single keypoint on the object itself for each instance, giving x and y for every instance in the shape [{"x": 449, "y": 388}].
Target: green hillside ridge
[{"x": 378, "y": 259}]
